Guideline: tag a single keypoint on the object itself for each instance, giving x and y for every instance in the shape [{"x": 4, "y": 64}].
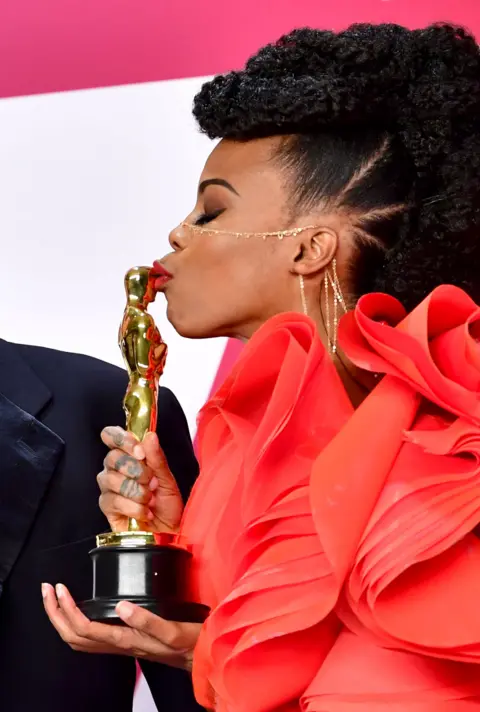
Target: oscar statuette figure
[{"x": 148, "y": 569}]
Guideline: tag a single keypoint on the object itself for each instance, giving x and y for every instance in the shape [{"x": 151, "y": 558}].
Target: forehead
[{"x": 246, "y": 164}]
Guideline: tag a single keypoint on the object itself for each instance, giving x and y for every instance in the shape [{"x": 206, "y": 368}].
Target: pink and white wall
[{"x": 99, "y": 156}]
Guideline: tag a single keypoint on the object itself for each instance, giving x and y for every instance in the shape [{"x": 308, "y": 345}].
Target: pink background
[{"x": 57, "y": 45}]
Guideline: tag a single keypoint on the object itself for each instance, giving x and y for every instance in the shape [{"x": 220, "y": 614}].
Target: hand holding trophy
[{"x": 146, "y": 568}]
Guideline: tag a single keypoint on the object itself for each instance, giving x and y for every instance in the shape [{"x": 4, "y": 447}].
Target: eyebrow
[{"x": 216, "y": 181}]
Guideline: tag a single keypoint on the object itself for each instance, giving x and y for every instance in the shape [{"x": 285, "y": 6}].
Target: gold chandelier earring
[
  {"x": 302, "y": 294},
  {"x": 330, "y": 281}
]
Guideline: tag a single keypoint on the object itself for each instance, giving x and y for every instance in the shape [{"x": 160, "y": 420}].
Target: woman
[{"x": 332, "y": 523}]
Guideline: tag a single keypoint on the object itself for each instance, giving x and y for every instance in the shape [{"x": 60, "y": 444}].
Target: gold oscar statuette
[{"x": 143, "y": 567}]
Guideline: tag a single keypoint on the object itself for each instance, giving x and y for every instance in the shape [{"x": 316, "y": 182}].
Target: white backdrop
[{"x": 91, "y": 182}]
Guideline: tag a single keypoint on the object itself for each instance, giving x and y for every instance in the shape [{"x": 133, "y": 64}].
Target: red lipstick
[{"x": 162, "y": 275}]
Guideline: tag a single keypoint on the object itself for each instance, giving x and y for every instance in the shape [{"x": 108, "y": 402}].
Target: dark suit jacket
[{"x": 53, "y": 406}]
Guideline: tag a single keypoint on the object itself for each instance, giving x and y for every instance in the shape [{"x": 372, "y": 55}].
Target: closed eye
[{"x": 207, "y": 217}]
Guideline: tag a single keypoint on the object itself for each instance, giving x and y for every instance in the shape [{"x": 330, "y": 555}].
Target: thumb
[{"x": 155, "y": 459}]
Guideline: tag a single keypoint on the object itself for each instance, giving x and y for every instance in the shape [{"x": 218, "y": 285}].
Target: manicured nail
[
  {"x": 124, "y": 610},
  {"x": 60, "y": 590},
  {"x": 138, "y": 452},
  {"x": 45, "y": 588}
]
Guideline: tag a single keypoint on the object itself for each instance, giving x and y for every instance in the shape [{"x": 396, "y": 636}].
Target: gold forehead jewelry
[{"x": 280, "y": 234}]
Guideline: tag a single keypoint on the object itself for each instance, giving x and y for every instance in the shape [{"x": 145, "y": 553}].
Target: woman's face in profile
[{"x": 227, "y": 285}]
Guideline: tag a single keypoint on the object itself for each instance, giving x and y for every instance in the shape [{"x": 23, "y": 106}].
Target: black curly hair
[{"x": 383, "y": 121}]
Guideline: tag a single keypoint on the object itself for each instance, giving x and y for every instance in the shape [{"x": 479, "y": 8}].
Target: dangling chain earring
[
  {"x": 338, "y": 299},
  {"x": 302, "y": 294}
]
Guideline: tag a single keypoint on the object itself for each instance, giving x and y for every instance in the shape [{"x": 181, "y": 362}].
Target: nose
[{"x": 177, "y": 239}]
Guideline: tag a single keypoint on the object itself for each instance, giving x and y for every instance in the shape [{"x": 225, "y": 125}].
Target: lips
[{"x": 161, "y": 275}]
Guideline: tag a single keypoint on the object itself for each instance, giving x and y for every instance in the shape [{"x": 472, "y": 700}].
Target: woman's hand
[
  {"x": 137, "y": 483},
  {"x": 146, "y": 636}
]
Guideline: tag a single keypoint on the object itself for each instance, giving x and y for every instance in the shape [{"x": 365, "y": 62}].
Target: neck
[{"x": 357, "y": 383}]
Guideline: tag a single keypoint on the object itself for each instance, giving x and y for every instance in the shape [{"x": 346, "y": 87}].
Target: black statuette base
[{"x": 151, "y": 576}]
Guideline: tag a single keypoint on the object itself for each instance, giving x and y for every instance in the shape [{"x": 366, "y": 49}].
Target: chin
[{"x": 188, "y": 328}]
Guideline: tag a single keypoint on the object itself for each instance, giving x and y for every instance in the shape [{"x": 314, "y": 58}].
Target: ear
[{"x": 314, "y": 251}]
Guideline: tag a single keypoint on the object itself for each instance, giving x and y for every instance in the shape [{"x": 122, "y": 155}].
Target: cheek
[{"x": 215, "y": 288}]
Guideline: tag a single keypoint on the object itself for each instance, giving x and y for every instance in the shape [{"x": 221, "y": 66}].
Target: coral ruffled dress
[{"x": 337, "y": 549}]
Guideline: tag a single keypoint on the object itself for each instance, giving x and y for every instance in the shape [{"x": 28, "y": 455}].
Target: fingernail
[
  {"x": 124, "y": 610},
  {"x": 45, "y": 588},
  {"x": 153, "y": 484},
  {"x": 60, "y": 590},
  {"x": 138, "y": 452},
  {"x": 150, "y": 515}
]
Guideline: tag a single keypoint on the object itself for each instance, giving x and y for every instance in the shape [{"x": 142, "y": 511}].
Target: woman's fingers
[
  {"x": 153, "y": 452},
  {"x": 149, "y": 637},
  {"x": 61, "y": 623},
  {"x": 124, "y": 487},
  {"x": 156, "y": 460},
  {"x": 137, "y": 460},
  {"x": 80, "y": 627},
  {"x": 116, "y": 437},
  {"x": 128, "y": 466},
  {"x": 114, "y": 482},
  {"x": 54, "y": 613},
  {"x": 159, "y": 639},
  {"x": 137, "y": 483},
  {"x": 114, "y": 505},
  {"x": 178, "y": 636},
  {"x": 124, "y": 477}
]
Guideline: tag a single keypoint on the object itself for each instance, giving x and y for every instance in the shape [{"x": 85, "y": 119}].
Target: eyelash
[{"x": 206, "y": 218}]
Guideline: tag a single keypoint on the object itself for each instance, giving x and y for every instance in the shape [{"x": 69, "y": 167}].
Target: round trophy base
[
  {"x": 153, "y": 576},
  {"x": 102, "y": 610}
]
